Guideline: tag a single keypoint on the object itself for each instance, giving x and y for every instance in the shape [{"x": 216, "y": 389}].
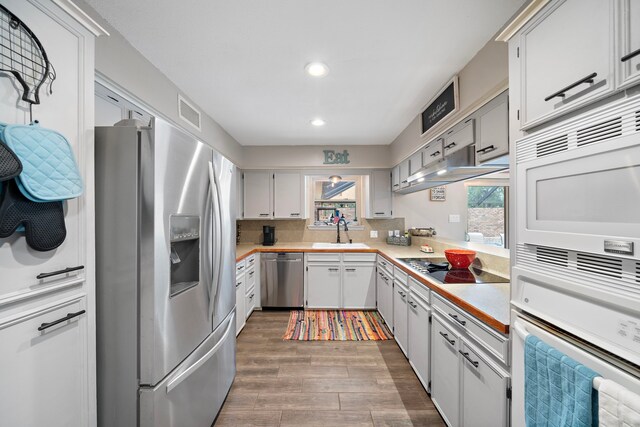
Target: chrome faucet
[{"x": 346, "y": 228}]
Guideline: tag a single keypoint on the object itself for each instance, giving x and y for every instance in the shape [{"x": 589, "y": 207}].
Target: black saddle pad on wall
[
  {"x": 43, "y": 222},
  {"x": 10, "y": 165}
]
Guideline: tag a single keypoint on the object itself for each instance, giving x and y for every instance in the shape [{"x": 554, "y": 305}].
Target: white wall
[
  {"x": 419, "y": 211},
  {"x": 123, "y": 65}
]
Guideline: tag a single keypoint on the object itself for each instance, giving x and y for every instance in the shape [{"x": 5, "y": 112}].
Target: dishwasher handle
[{"x": 282, "y": 260}]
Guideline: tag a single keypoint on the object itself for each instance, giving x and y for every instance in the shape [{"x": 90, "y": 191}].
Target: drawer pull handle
[
  {"x": 486, "y": 149},
  {"x": 251, "y": 273},
  {"x": 294, "y": 214},
  {"x": 628, "y": 56},
  {"x": 333, "y": 269},
  {"x": 251, "y": 296},
  {"x": 402, "y": 294},
  {"x": 560, "y": 93},
  {"x": 238, "y": 284},
  {"x": 453, "y": 144},
  {"x": 435, "y": 154},
  {"x": 55, "y": 273},
  {"x": 455, "y": 317},
  {"x": 469, "y": 359},
  {"x": 413, "y": 304},
  {"x": 446, "y": 337},
  {"x": 264, "y": 214},
  {"x": 404, "y": 182},
  {"x": 350, "y": 269},
  {"x": 69, "y": 316},
  {"x": 379, "y": 213}
]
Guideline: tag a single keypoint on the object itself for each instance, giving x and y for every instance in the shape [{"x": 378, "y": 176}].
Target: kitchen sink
[{"x": 340, "y": 246}]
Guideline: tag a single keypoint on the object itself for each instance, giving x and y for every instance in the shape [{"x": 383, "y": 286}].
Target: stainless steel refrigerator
[{"x": 165, "y": 300}]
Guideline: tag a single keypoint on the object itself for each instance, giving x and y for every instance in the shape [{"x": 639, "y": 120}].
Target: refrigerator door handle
[
  {"x": 191, "y": 369},
  {"x": 216, "y": 216}
]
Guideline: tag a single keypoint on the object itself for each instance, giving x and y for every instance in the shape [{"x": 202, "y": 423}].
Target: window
[
  {"x": 487, "y": 215},
  {"x": 335, "y": 197}
]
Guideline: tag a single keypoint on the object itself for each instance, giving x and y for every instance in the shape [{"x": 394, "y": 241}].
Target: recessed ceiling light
[
  {"x": 317, "y": 122},
  {"x": 442, "y": 171},
  {"x": 317, "y": 69}
]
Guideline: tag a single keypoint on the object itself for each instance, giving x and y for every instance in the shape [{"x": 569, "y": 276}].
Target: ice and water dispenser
[{"x": 185, "y": 252}]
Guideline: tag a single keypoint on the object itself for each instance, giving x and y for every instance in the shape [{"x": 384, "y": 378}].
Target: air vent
[
  {"x": 600, "y": 132},
  {"x": 188, "y": 113},
  {"x": 638, "y": 272},
  {"x": 637, "y": 121},
  {"x": 552, "y": 146},
  {"x": 596, "y": 264},
  {"x": 552, "y": 256}
]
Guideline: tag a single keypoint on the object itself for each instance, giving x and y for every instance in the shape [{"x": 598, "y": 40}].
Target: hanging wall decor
[{"x": 22, "y": 56}]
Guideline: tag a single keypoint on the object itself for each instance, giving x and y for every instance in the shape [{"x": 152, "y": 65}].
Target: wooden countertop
[{"x": 489, "y": 302}]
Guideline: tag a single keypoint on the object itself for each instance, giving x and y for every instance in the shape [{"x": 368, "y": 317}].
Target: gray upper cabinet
[
  {"x": 460, "y": 136},
  {"x": 415, "y": 163},
  {"x": 257, "y": 195},
  {"x": 288, "y": 195},
  {"x": 404, "y": 174},
  {"x": 380, "y": 198},
  {"x": 628, "y": 55},
  {"x": 492, "y": 126},
  {"x": 433, "y": 152},
  {"x": 565, "y": 58},
  {"x": 395, "y": 178}
]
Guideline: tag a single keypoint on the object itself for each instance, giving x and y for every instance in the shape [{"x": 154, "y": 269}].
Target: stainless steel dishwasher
[{"x": 282, "y": 280}]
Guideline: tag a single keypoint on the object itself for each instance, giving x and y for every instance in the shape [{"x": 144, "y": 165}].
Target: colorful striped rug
[{"x": 336, "y": 325}]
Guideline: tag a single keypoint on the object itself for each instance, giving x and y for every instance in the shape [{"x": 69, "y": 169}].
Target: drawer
[
  {"x": 494, "y": 343},
  {"x": 323, "y": 257},
  {"x": 240, "y": 282},
  {"x": 432, "y": 152},
  {"x": 385, "y": 265},
  {"x": 400, "y": 276},
  {"x": 240, "y": 266},
  {"x": 459, "y": 138},
  {"x": 250, "y": 277},
  {"x": 359, "y": 257},
  {"x": 420, "y": 289},
  {"x": 250, "y": 261}
]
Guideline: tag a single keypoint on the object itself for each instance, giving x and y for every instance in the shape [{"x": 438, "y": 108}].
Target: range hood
[{"x": 457, "y": 166}]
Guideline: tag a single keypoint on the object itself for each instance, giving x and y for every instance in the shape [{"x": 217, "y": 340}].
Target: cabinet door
[
  {"x": 415, "y": 163},
  {"x": 628, "y": 55},
  {"x": 45, "y": 373},
  {"x": 570, "y": 41},
  {"x": 432, "y": 152},
  {"x": 385, "y": 297},
  {"x": 359, "y": 286},
  {"x": 380, "y": 194},
  {"x": 419, "y": 337},
  {"x": 257, "y": 194},
  {"x": 400, "y": 326},
  {"x": 484, "y": 392},
  {"x": 459, "y": 137},
  {"x": 404, "y": 174},
  {"x": 250, "y": 302},
  {"x": 323, "y": 286},
  {"x": 445, "y": 372},
  {"x": 493, "y": 130},
  {"x": 240, "y": 304},
  {"x": 109, "y": 111},
  {"x": 395, "y": 178},
  {"x": 287, "y": 195}
]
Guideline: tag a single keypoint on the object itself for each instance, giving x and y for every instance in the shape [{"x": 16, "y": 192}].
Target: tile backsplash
[{"x": 298, "y": 231}]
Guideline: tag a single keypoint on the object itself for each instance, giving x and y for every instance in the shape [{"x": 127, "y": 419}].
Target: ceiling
[{"x": 243, "y": 61}]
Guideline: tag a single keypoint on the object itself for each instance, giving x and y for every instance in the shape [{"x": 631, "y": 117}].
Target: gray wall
[{"x": 121, "y": 64}]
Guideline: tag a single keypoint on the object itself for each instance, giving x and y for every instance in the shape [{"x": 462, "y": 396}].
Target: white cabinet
[
  {"x": 258, "y": 196},
  {"x": 395, "y": 178},
  {"x": 45, "y": 368},
  {"x": 628, "y": 55},
  {"x": 566, "y": 58},
  {"x": 400, "y": 324},
  {"x": 459, "y": 137},
  {"x": 445, "y": 372},
  {"x": 492, "y": 126},
  {"x": 404, "y": 173},
  {"x": 359, "y": 286},
  {"x": 419, "y": 331},
  {"x": 380, "y": 198},
  {"x": 323, "y": 285},
  {"x": 111, "y": 108},
  {"x": 483, "y": 387},
  {"x": 250, "y": 302},
  {"x": 288, "y": 195},
  {"x": 240, "y": 296},
  {"x": 384, "y": 285}
]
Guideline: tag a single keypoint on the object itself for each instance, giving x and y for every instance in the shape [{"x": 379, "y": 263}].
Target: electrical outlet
[
  {"x": 373, "y": 234},
  {"x": 454, "y": 218}
]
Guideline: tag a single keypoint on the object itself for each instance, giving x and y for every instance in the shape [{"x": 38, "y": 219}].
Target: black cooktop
[{"x": 439, "y": 269}]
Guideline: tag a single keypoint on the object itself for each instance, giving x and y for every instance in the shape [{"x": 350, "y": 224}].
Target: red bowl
[{"x": 460, "y": 258}]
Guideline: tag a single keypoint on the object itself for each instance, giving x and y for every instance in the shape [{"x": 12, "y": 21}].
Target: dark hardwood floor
[{"x": 321, "y": 383}]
